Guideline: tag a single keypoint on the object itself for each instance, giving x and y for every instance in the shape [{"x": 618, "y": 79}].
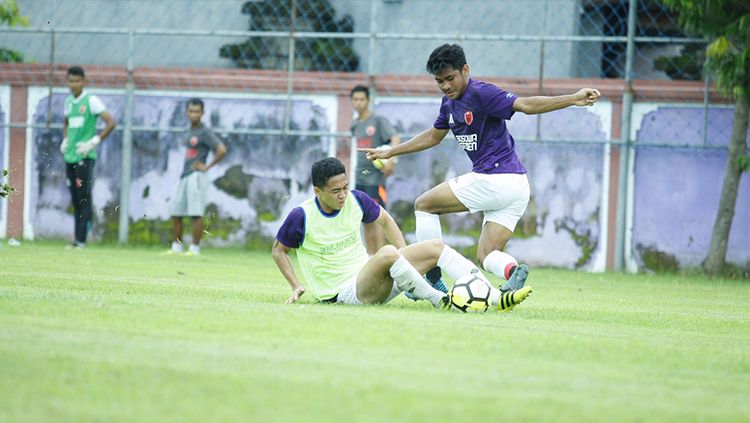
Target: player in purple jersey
[{"x": 476, "y": 111}]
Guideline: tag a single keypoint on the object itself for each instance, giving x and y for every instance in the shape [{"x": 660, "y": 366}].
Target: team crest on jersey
[
  {"x": 468, "y": 117},
  {"x": 370, "y": 131},
  {"x": 450, "y": 119},
  {"x": 82, "y": 109},
  {"x": 193, "y": 141},
  {"x": 364, "y": 142}
]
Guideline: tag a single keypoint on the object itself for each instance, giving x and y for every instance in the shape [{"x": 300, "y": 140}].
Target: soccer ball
[{"x": 470, "y": 294}]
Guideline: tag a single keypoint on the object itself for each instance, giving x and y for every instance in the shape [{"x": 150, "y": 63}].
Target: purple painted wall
[
  {"x": 259, "y": 180},
  {"x": 676, "y": 190}
]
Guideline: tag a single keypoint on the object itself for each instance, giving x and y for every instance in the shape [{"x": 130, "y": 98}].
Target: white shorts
[
  {"x": 348, "y": 294},
  {"x": 190, "y": 199},
  {"x": 502, "y": 197}
]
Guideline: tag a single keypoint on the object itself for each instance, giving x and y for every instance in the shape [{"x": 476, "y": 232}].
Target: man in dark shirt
[{"x": 190, "y": 199}]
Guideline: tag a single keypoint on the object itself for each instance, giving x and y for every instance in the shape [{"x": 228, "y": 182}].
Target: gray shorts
[{"x": 190, "y": 199}]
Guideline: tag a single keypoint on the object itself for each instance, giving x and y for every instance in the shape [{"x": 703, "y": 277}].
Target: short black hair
[
  {"x": 325, "y": 169},
  {"x": 446, "y": 55},
  {"x": 360, "y": 89},
  {"x": 76, "y": 71},
  {"x": 195, "y": 101}
]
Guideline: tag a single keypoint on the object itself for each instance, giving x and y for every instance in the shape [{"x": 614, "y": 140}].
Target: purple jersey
[
  {"x": 477, "y": 119},
  {"x": 292, "y": 231}
]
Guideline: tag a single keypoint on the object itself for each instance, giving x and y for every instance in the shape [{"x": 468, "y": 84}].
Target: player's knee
[
  {"x": 437, "y": 245},
  {"x": 422, "y": 204},
  {"x": 388, "y": 253}
]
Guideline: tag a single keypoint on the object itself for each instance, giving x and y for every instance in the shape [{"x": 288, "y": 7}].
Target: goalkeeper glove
[
  {"x": 64, "y": 145},
  {"x": 83, "y": 148}
]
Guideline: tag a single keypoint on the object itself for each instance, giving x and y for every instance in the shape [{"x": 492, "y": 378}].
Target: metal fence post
[
  {"x": 290, "y": 68},
  {"x": 50, "y": 78},
  {"x": 625, "y": 146},
  {"x": 353, "y": 156},
  {"x": 706, "y": 94},
  {"x": 127, "y": 149},
  {"x": 541, "y": 71}
]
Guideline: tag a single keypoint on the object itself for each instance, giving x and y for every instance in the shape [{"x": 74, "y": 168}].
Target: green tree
[
  {"x": 322, "y": 54},
  {"x": 10, "y": 15},
  {"x": 5, "y": 189},
  {"x": 687, "y": 66},
  {"x": 726, "y": 23}
]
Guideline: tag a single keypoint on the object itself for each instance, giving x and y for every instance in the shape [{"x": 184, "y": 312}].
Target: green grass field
[{"x": 128, "y": 334}]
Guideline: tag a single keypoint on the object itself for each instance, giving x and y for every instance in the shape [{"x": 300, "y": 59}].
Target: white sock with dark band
[
  {"x": 500, "y": 263},
  {"x": 408, "y": 279}
]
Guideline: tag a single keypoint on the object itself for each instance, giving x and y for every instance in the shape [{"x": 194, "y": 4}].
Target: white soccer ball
[{"x": 470, "y": 294}]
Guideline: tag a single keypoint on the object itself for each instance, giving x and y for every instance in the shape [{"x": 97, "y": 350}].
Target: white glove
[
  {"x": 64, "y": 145},
  {"x": 83, "y": 148}
]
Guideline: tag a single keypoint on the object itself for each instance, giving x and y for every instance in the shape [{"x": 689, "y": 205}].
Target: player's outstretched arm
[
  {"x": 423, "y": 141},
  {"x": 540, "y": 104},
  {"x": 280, "y": 253}
]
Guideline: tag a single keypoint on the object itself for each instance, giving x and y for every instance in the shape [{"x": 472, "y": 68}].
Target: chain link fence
[{"x": 276, "y": 76}]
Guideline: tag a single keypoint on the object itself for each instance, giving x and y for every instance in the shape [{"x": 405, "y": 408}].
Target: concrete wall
[
  {"x": 136, "y": 14},
  {"x": 568, "y": 222},
  {"x": 391, "y": 56}
]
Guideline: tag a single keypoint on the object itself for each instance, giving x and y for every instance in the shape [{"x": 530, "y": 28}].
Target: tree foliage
[
  {"x": 323, "y": 54},
  {"x": 726, "y": 23},
  {"x": 10, "y": 15},
  {"x": 687, "y": 66}
]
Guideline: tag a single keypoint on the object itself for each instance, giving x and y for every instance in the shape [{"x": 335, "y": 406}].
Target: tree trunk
[{"x": 717, "y": 252}]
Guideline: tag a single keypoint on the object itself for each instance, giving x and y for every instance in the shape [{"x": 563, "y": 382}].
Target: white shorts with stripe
[
  {"x": 502, "y": 197},
  {"x": 190, "y": 199}
]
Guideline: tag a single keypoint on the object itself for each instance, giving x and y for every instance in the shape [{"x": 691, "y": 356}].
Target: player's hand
[
  {"x": 200, "y": 166},
  {"x": 64, "y": 145},
  {"x": 586, "y": 97},
  {"x": 84, "y": 148},
  {"x": 296, "y": 294},
  {"x": 375, "y": 153}
]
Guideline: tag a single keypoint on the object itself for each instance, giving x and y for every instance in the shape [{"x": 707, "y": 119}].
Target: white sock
[
  {"x": 494, "y": 295},
  {"x": 456, "y": 265},
  {"x": 428, "y": 226},
  {"x": 195, "y": 249},
  {"x": 407, "y": 278},
  {"x": 500, "y": 264},
  {"x": 176, "y": 247}
]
